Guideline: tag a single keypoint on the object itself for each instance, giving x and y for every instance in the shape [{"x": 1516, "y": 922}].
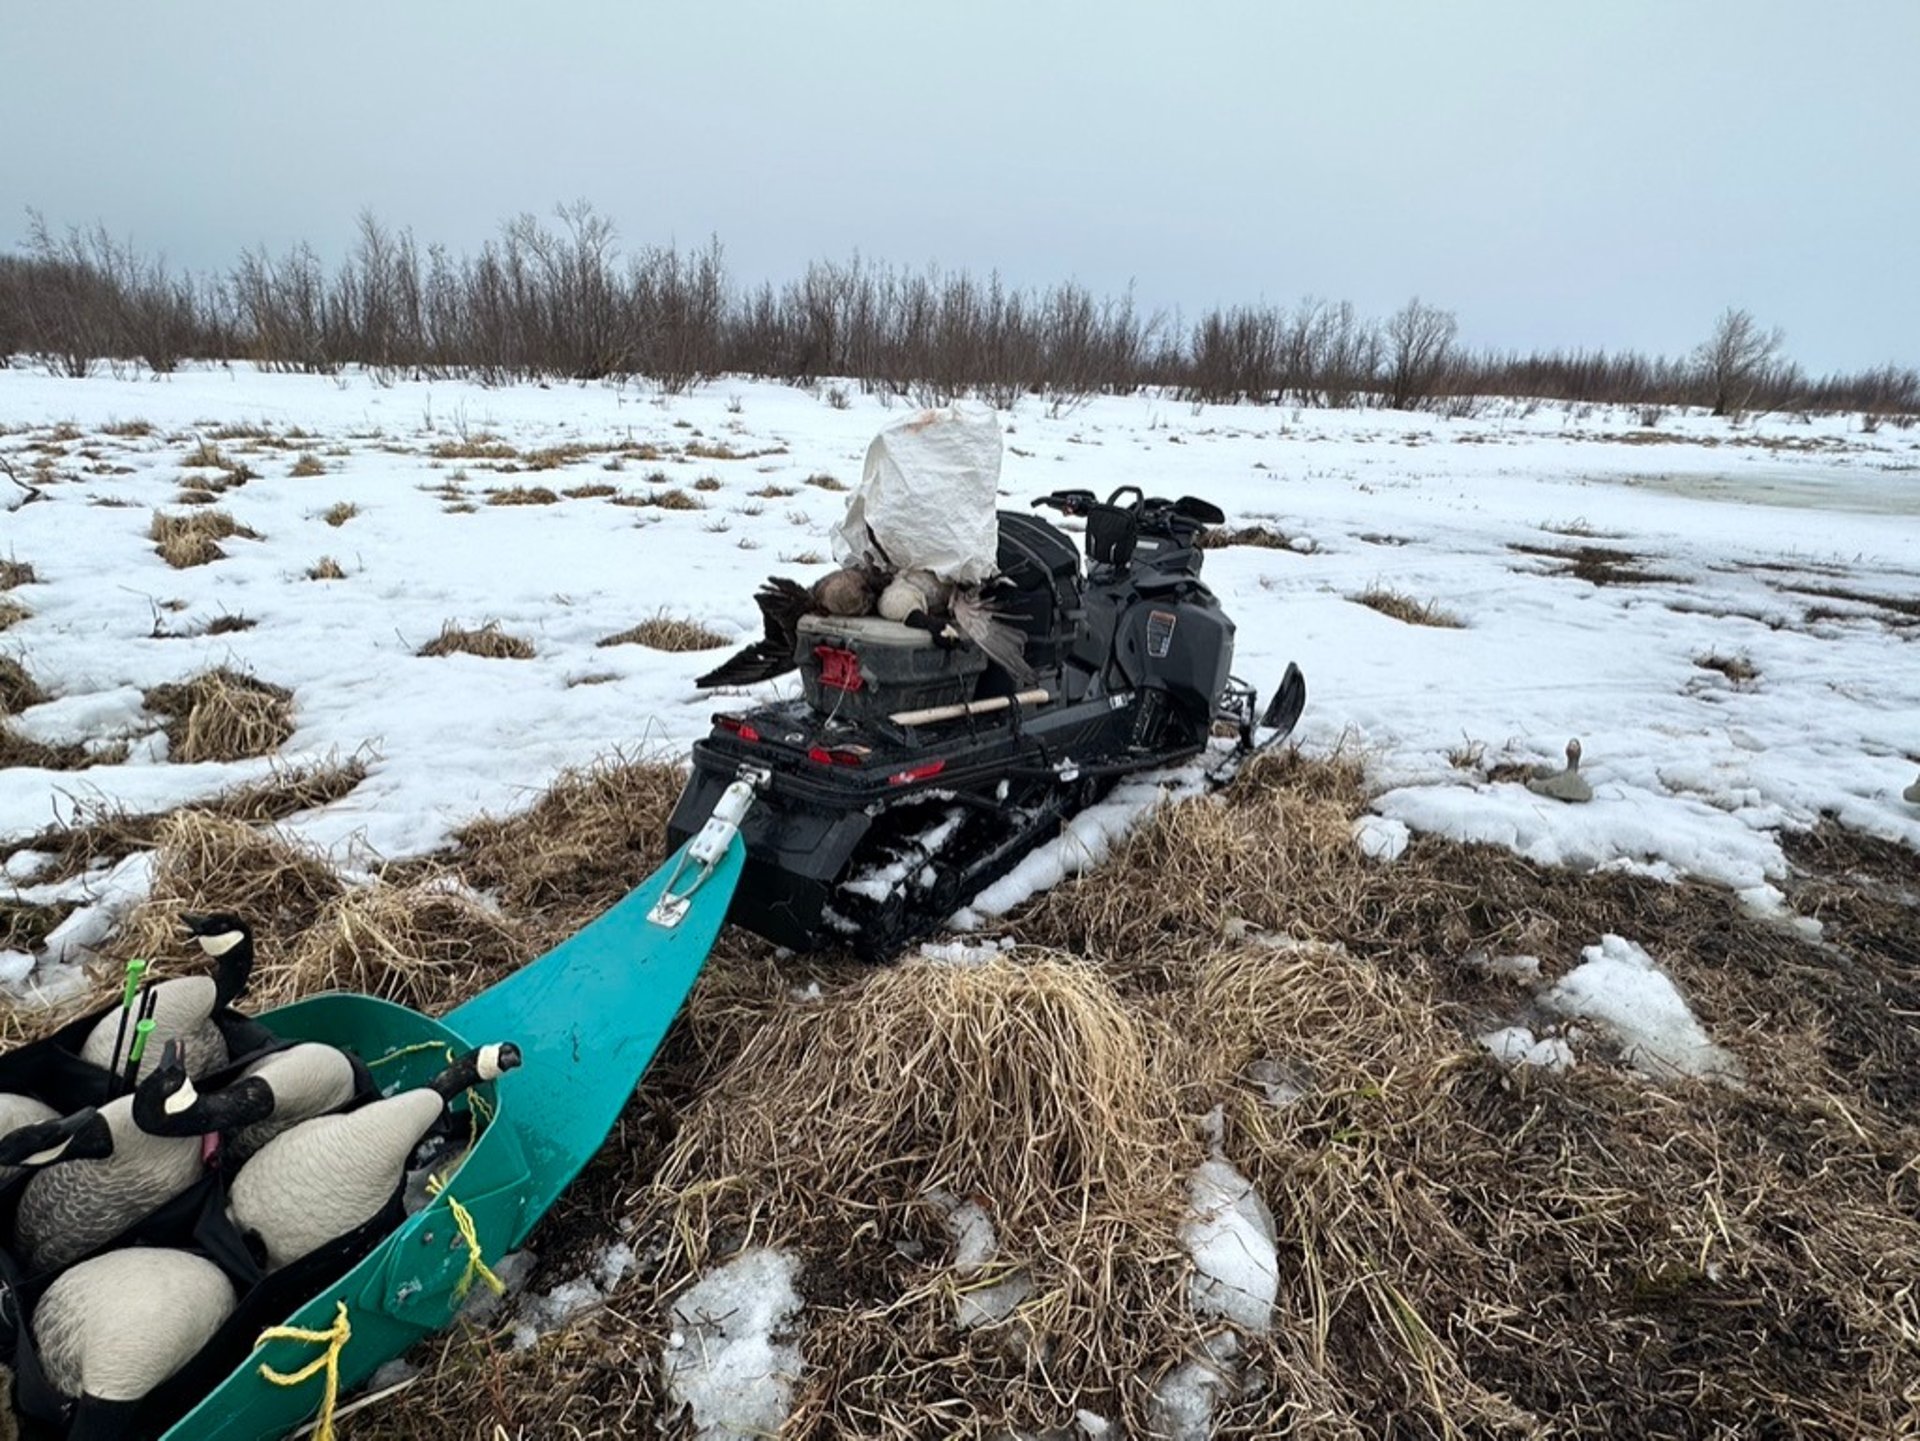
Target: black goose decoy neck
[
  {"x": 229, "y": 940},
  {"x": 166, "y": 1102},
  {"x": 484, "y": 1063},
  {"x": 83, "y": 1136}
]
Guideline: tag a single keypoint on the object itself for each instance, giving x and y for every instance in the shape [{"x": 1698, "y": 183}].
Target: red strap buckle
[{"x": 839, "y": 669}]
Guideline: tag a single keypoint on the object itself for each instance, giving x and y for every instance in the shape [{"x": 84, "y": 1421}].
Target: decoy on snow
[
  {"x": 1564, "y": 785},
  {"x": 183, "y": 1007},
  {"x": 114, "y": 1327},
  {"x": 322, "y": 1178}
]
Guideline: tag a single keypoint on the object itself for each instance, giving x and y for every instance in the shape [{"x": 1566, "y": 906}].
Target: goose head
[
  {"x": 229, "y": 940},
  {"x": 83, "y": 1136},
  {"x": 484, "y": 1063},
  {"x": 166, "y": 1102}
]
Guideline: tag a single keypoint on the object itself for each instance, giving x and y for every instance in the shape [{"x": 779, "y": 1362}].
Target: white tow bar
[{"x": 706, "y": 850}]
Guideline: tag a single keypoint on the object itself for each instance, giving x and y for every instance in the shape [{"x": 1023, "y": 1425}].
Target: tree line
[{"x": 560, "y": 299}]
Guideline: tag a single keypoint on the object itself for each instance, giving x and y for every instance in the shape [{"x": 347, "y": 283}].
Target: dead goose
[
  {"x": 113, "y": 1328},
  {"x": 319, "y": 1180},
  {"x": 17, "y": 1111},
  {"x": 99, "y": 1171},
  {"x": 183, "y": 1007},
  {"x": 1567, "y": 785}
]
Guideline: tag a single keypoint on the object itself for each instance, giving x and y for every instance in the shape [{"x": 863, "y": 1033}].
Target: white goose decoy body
[
  {"x": 322, "y": 1178},
  {"x": 100, "y": 1170},
  {"x": 183, "y": 1007},
  {"x": 114, "y": 1327}
]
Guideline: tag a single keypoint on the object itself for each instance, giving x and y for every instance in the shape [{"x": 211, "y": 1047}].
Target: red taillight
[
  {"x": 918, "y": 773},
  {"x": 839, "y": 669},
  {"x": 838, "y": 755},
  {"x": 734, "y": 726}
]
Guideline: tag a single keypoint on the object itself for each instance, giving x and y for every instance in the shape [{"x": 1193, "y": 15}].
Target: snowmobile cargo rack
[{"x": 587, "y": 1016}]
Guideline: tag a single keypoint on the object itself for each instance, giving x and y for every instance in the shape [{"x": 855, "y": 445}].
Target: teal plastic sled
[{"x": 587, "y": 1016}]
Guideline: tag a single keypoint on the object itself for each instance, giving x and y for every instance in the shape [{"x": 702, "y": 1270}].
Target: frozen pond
[{"x": 1800, "y": 487}]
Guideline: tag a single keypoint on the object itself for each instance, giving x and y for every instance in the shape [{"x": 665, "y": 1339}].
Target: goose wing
[
  {"x": 782, "y": 602},
  {"x": 980, "y": 623}
]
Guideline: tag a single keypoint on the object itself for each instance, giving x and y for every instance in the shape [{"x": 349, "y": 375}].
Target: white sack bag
[{"x": 929, "y": 492}]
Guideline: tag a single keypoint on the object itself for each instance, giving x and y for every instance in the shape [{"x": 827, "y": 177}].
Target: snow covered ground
[{"x": 1789, "y": 548}]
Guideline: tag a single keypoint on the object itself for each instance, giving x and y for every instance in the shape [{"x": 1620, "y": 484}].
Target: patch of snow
[
  {"x": 729, "y": 1358},
  {"x": 1381, "y": 838},
  {"x": 23, "y": 865},
  {"x": 76, "y": 939},
  {"x": 1619, "y": 988},
  {"x": 1182, "y": 1404},
  {"x": 94, "y": 717},
  {"x": 974, "y": 1247},
  {"x": 1282, "y": 1083},
  {"x": 1516, "y": 1046},
  {"x": 1230, "y": 1235},
  {"x": 15, "y": 967},
  {"x": 964, "y": 953}
]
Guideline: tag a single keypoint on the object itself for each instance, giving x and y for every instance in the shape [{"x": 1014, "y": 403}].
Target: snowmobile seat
[{"x": 862, "y": 668}]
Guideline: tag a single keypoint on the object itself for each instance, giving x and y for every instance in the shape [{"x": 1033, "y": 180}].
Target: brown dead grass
[
  {"x": 479, "y": 447},
  {"x": 487, "y": 641},
  {"x": 1403, "y": 607},
  {"x": 222, "y": 715},
  {"x": 1219, "y": 537},
  {"x": 1598, "y": 564},
  {"x": 101, "y": 833},
  {"x": 12, "y": 613},
  {"x": 822, "y": 481},
  {"x": 307, "y": 465},
  {"x": 339, "y": 513},
  {"x": 672, "y": 499},
  {"x": 193, "y": 539},
  {"x": 15, "y": 573},
  {"x": 594, "y": 491},
  {"x": 523, "y": 495},
  {"x": 18, "y": 689},
  {"x": 326, "y": 568},
  {"x": 1736, "y": 668},
  {"x": 665, "y": 632},
  {"x": 593, "y": 835}
]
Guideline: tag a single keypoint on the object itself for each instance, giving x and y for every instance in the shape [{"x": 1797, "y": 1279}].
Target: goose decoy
[
  {"x": 111, "y": 1329},
  {"x": 183, "y": 1007},
  {"x": 17, "y": 1111},
  {"x": 301, "y": 1082},
  {"x": 319, "y": 1180},
  {"x": 1565, "y": 785},
  {"x": 100, "y": 1170}
]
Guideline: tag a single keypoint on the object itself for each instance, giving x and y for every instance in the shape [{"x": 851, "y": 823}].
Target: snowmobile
[{"x": 915, "y": 770}]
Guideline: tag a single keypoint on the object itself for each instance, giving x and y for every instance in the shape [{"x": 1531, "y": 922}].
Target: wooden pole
[{"x": 967, "y": 708}]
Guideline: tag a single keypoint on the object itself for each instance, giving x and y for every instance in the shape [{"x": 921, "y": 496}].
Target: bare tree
[
  {"x": 1735, "y": 360},
  {"x": 1419, "y": 353}
]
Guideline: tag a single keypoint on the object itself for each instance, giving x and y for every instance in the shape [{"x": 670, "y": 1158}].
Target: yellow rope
[
  {"x": 477, "y": 1103},
  {"x": 413, "y": 1050},
  {"x": 334, "y": 1338},
  {"x": 476, "y": 1263}
]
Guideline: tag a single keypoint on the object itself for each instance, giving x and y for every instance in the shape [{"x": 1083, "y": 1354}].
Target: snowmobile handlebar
[{"x": 1156, "y": 515}]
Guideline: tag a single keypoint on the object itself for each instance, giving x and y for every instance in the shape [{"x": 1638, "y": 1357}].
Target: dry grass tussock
[
  {"x": 591, "y": 837},
  {"x": 222, "y": 715},
  {"x": 194, "y": 538},
  {"x": 523, "y": 495},
  {"x": 339, "y": 513},
  {"x": 15, "y": 573},
  {"x": 308, "y": 464},
  {"x": 11, "y": 612},
  {"x": 18, "y": 689},
  {"x": 487, "y": 641},
  {"x": 1403, "y": 607},
  {"x": 326, "y": 568},
  {"x": 667, "y": 632}
]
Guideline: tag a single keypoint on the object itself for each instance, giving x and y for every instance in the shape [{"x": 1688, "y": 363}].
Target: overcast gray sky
[{"x": 1605, "y": 174}]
